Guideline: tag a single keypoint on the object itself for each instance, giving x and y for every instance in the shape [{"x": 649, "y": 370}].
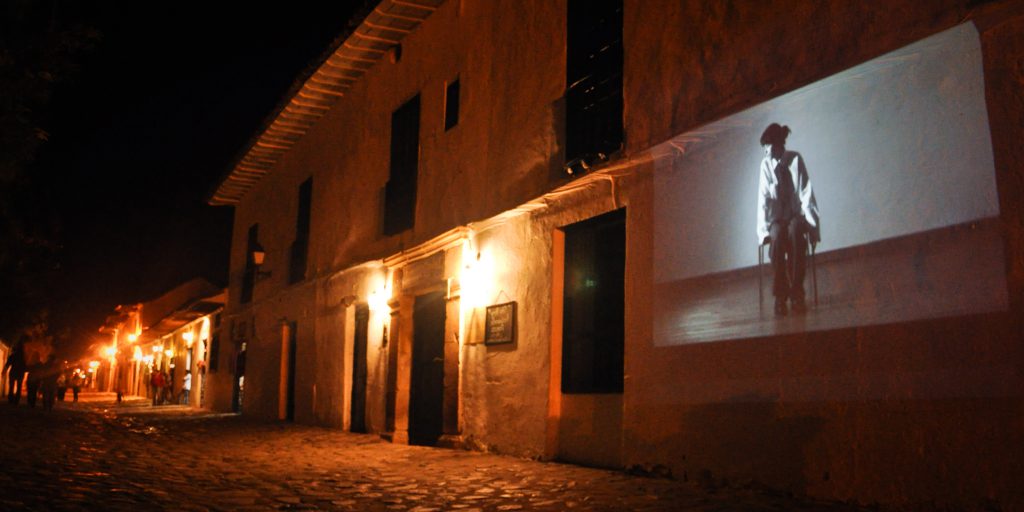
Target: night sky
[{"x": 159, "y": 112}]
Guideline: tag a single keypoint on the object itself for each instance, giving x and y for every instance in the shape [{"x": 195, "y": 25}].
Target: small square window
[{"x": 451, "y": 105}]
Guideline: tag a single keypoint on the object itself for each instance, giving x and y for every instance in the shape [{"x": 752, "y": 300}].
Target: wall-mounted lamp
[
  {"x": 187, "y": 336},
  {"x": 378, "y": 301},
  {"x": 258, "y": 256}
]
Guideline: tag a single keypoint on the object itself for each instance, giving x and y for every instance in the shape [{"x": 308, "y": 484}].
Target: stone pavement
[{"x": 95, "y": 455}]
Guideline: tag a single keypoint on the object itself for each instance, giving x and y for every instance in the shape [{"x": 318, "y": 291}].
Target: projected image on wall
[{"x": 866, "y": 198}]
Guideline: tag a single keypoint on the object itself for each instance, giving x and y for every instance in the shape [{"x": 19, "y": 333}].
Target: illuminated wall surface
[{"x": 899, "y": 156}]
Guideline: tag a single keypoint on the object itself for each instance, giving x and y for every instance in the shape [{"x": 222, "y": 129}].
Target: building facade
[
  {"x": 529, "y": 227},
  {"x": 174, "y": 334}
]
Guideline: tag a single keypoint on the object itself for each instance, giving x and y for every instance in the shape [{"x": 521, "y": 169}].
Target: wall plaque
[{"x": 500, "y": 325}]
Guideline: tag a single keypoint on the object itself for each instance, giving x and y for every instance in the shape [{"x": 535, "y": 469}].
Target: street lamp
[{"x": 258, "y": 257}]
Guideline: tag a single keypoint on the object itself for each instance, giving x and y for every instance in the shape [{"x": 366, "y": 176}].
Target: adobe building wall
[
  {"x": 337, "y": 298},
  {"x": 913, "y": 413},
  {"x": 219, "y": 383},
  {"x": 503, "y": 151},
  {"x": 908, "y": 413}
]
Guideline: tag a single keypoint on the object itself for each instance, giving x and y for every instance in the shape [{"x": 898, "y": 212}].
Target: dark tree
[{"x": 41, "y": 49}]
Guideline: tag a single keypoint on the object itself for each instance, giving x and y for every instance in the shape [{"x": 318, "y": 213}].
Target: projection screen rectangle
[{"x": 897, "y": 156}]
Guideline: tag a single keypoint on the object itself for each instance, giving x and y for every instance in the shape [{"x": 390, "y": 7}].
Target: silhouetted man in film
[{"x": 787, "y": 217}]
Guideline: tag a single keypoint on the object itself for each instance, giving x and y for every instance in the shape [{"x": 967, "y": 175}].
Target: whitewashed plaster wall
[{"x": 509, "y": 58}]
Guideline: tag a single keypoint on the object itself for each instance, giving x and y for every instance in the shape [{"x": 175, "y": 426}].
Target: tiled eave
[{"x": 312, "y": 97}]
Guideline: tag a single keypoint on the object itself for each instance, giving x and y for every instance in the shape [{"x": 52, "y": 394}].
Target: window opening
[
  {"x": 593, "y": 97},
  {"x": 400, "y": 191}
]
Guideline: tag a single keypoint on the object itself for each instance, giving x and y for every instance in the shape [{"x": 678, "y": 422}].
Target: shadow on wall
[{"x": 746, "y": 436}]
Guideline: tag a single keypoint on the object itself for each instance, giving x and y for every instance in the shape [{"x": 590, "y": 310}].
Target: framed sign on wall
[{"x": 500, "y": 324}]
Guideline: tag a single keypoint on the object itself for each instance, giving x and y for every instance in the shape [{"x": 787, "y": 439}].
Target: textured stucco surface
[{"x": 915, "y": 413}]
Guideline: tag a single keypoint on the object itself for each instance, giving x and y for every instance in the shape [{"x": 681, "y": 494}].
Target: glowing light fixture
[
  {"x": 258, "y": 257},
  {"x": 378, "y": 301},
  {"x": 110, "y": 352},
  {"x": 477, "y": 275},
  {"x": 187, "y": 336},
  {"x": 169, "y": 353},
  {"x": 132, "y": 338}
]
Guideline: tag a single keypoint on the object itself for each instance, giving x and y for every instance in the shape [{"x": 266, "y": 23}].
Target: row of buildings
[
  {"x": 176, "y": 334},
  {"x": 528, "y": 227}
]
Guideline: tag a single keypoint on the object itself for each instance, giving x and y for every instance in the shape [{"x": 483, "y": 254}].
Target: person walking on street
[
  {"x": 48, "y": 375},
  {"x": 62, "y": 384},
  {"x": 76, "y": 383},
  {"x": 35, "y": 379},
  {"x": 186, "y": 386},
  {"x": 15, "y": 368},
  {"x": 156, "y": 379},
  {"x": 167, "y": 396}
]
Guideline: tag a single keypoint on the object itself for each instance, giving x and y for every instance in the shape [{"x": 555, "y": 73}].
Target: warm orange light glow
[
  {"x": 378, "y": 301},
  {"x": 137, "y": 355},
  {"x": 204, "y": 330},
  {"x": 93, "y": 365},
  {"x": 110, "y": 352},
  {"x": 169, "y": 353},
  {"x": 158, "y": 348},
  {"x": 476, "y": 280},
  {"x": 133, "y": 337},
  {"x": 187, "y": 336}
]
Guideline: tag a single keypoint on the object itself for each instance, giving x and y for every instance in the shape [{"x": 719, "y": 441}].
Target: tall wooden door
[
  {"x": 290, "y": 342},
  {"x": 358, "y": 407},
  {"x": 426, "y": 400}
]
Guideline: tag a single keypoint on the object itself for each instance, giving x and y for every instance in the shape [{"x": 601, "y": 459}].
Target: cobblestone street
[{"x": 94, "y": 455}]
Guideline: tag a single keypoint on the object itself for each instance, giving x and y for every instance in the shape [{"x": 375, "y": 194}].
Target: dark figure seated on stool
[{"x": 787, "y": 217}]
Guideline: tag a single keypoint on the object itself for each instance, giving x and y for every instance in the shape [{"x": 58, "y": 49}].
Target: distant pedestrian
[
  {"x": 35, "y": 378},
  {"x": 15, "y": 368},
  {"x": 120, "y": 380},
  {"x": 167, "y": 396},
  {"x": 48, "y": 375},
  {"x": 156, "y": 381},
  {"x": 186, "y": 386},
  {"x": 62, "y": 385},
  {"x": 76, "y": 383}
]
